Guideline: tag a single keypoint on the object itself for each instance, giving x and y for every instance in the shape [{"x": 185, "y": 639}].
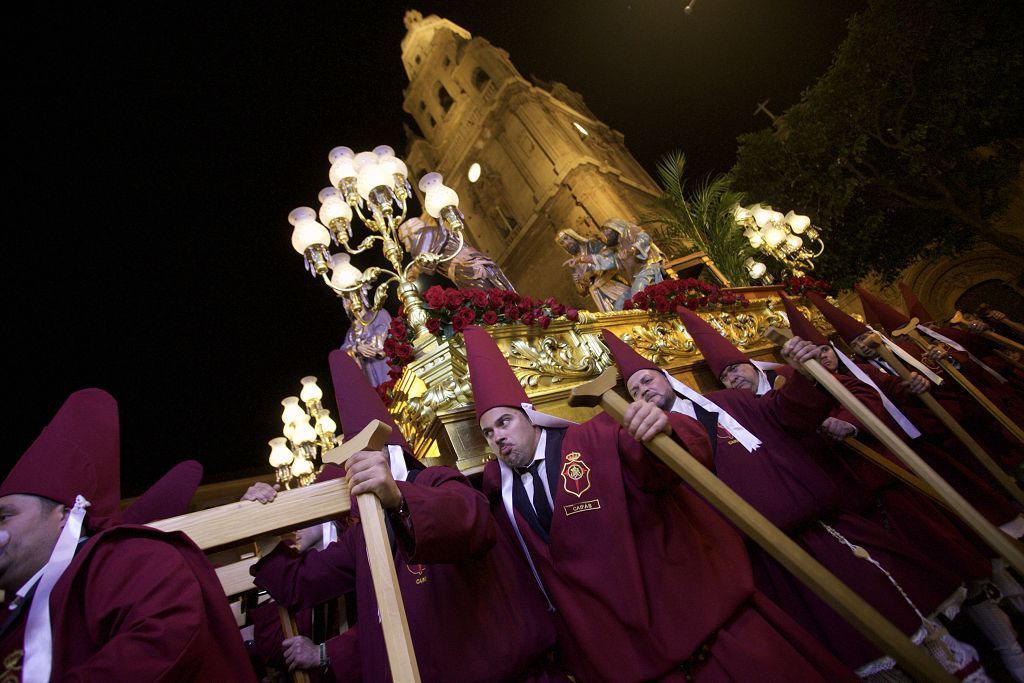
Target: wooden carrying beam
[
  {"x": 955, "y": 428},
  {"x": 397, "y": 638},
  {"x": 910, "y": 330},
  {"x": 995, "y": 538},
  {"x": 851, "y": 606},
  {"x": 883, "y": 463},
  {"x": 235, "y": 578}
]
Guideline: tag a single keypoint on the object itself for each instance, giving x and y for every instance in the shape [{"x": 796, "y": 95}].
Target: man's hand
[
  {"x": 936, "y": 352},
  {"x": 917, "y": 384},
  {"x": 262, "y": 492},
  {"x": 645, "y": 420},
  {"x": 370, "y": 472},
  {"x": 300, "y": 653},
  {"x": 797, "y": 351},
  {"x": 837, "y": 429},
  {"x": 993, "y": 314}
]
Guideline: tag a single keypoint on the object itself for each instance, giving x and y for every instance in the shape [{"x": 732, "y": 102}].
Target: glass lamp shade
[
  {"x": 797, "y": 223},
  {"x": 333, "y": 206},
  {"x": 304, "y": 432},
  {"x": 372, "y": 175},
  {"x": 383, "y": 151},
  {"x": 301, "y": 467},
  {"x": 437, "y": 195},
  {"x": 793, "y": 242},
  {"x": 280, "y": 454},
  {"x": 757, "y": 270},
  {"x": 337, "y": 154},
  {"x": 289, "y": 430},
  {"x": 762, "y": 216},
  {"x": 307, "y": 230},
  {"x": 343, "y": 274},
  {"x": 292, "y": 412},
  {"x": 740, "y": 214},
  {"x": 777, "y": 217},
  {"x": 326, "y": 424},
  {"x": 773, "y": 236},
  {"x": 310, "y": 391}
]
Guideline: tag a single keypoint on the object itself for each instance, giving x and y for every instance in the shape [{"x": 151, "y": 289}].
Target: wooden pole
[
  {"x": 959, "y": 319},
  {"x": 901, "y": 473},
  {"x": 962, "y": 435},
  {"x": 1012, "y": 324},
  {"x": 290, "y": 630},
  {"x": 996, "y": 539},
  {"x": 851, "y": 606},
  {"x": 1005, "y": 356},
  {"x": 910, "y": 331},
  {"x": 397, "y": 638}
]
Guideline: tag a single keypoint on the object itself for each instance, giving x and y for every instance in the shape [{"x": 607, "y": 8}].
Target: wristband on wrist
[{"x": 323, "y": 655}]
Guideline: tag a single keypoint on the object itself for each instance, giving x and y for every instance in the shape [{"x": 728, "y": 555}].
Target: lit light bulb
[
  {"x": 280, "y": 454},
  {"x": 437, "y": 195},
  {"x": 292, "y": 412},
  {"x": 310, "y": 390},
  {"x": 343, "y": 274},
  {"x": 797, "y": 223},
  {"x": 333, "y": 206},
  {"x": 307, "y": 230}
]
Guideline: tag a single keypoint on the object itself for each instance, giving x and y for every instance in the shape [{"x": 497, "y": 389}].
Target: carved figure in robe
[
  {"x": 604, "y": 286},
  {"x": 466, "y": 267}
]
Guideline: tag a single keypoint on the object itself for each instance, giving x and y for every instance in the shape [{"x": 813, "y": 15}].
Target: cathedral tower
[{"x": 545, "y": 161}]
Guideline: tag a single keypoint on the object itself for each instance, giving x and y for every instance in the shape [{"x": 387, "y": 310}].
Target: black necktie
[{"x": 540, "y": 498}]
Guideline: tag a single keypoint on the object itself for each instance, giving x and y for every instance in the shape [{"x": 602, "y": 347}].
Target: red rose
[
  {"x": 703, "y": 301},
  {"x": 495, "y": 297},
  {"x": 642, "y": 304},
  {"x": 692, "y": 304},
  {"x": 479, "y": 298},
  {"x": 512, "y": 312},
  {"x": 404, "y": 351},
  {"x": 543, "y": 321},
  {"x": 395, "y": 371},
  {"x": 398, "y": 329},
  {"x": 528, "y": 318},
  {"x": 525, "y": 303},
  {"x": 662, "y": 305},
  {"x": 389, "y": 346},
  {"x": 557, "y": 309},
  {"x": 489, "y": 318},
  {"x": 468, "y": 315},
  {"x": 743, "y": 301},
  {"x": 453, "y": 298},
  {"x": 628, "y": 305},
  {"x": 434, "y": 296},
  {"x": 572, "y": 315},
  {"x": 433, "y": 325}
]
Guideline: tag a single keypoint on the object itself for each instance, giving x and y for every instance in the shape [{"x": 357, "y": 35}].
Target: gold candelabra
[
  {"x": 295, "y": 455},
  {"x": 789, "y": 238},
  {"x": 374, "y": 187}
]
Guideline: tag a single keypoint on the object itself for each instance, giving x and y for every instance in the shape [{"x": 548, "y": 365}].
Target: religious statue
[
  {"x": 364, "y": 340},
  {"x": 603, "y": 286},
  {"x": 632, "y": 252},
  {"x": 466, "y": 267}
]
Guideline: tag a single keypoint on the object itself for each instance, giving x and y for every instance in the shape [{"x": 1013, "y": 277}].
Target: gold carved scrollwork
[
  {"x": 553, "y": 359},
  {"x": 660, "y": 341}
]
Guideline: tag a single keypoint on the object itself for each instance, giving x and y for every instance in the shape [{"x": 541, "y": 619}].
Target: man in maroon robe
[
  {"x": 473, "y": 614},
  {"x": 762, "y": 451},
  {"x": 648, "y": 581},
  {"x": 89, "y": 600}
]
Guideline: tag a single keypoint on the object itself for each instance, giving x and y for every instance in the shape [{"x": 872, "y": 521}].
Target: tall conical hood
[
  {"x": 168, "y": 497},
  {"x": 801, "y": 326},
  {"x": 915, "y": 309},
  {"x": 628, "y": 360},
  {"x": 358, "y": 402},
  {"x": 716, "y": 349},
  {"x": 78, "y": 453},
  {"x": 845, "y": 325},
  {"x": 494, "y": 383},
  {"x": 888, "y": 317}
]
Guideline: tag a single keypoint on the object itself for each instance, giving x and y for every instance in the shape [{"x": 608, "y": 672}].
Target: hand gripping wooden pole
[
  {"x": 962, "y": 435},
  {"x": 397, "y": 638},
  {"x": 910, "y": 330},
  {"x": 959, "y": 319},
  {"x": 851, "y": 606},
  {"x": 290, "y": 630},
  {"x": 997, "y": 540}
]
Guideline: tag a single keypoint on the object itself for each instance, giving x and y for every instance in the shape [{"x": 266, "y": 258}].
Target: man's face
[
  {"x": 611, "y": 237},
  {"x": 861, "y": 347},
  {"x": 651, "y": 386},
  {"x": 740, "y": 376},
  {"x": 569, "y": 244},
  {"x": 510, "y": 435},
  {"x": 827, "y": 357},
  {"x": 29, "y": 528}
]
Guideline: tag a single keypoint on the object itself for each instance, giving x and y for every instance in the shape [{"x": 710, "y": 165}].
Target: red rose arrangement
[
  {"x": 451, "y": 310},
  {"x": 797, "y": 286},
  {"x": 668, "y": 296}
]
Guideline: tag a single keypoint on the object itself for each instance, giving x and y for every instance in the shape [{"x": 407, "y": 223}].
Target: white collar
[{"x": 738, "y": 431}]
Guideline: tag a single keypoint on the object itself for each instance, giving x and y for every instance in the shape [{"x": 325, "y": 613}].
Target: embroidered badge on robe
[
  {"x": 575, "y": 475},
  {"x": 418, "y": 570}
]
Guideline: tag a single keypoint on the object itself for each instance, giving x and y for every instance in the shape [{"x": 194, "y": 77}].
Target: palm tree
[{"x": 704, "y": 220}]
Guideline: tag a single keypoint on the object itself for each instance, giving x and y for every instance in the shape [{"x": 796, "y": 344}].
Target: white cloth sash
[
  {"x": 738, "y": 431},
  {"x": 907, "y": 358},
  {"x": 38, "y": 634},
  {"x": 902, "y": 420}
]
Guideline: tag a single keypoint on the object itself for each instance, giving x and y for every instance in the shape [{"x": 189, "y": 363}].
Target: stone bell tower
[{"x": 541, "y": 161}]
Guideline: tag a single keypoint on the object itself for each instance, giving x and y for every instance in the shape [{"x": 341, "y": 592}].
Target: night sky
[{"x": 155, "y": 150}]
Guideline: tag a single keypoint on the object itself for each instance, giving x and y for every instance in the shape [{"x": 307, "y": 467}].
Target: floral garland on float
[
  {"x": 670, "y": 295},
  {"x": 451, "y": 310},
  {"x": 798, "y": 286}
]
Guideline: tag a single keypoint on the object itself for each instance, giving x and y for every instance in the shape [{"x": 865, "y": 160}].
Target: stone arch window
[
  {"x": 480, "y": 79},
  {"x": 997, "y": 294},
  {"x": 444, "y": 98}
]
